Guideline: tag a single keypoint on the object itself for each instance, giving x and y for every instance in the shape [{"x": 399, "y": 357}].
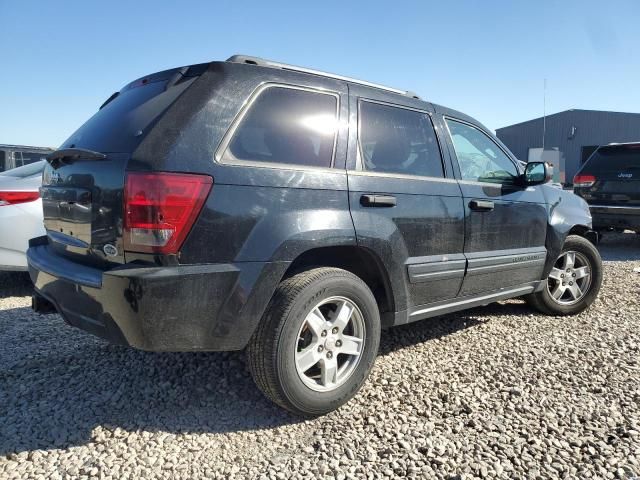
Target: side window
[
  {"x": 398, "y": 140},
  {"x": 479, "y": 157},
  {"x": 287, "y": 125}
]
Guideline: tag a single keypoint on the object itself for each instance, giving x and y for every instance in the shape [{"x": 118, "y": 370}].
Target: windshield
[{"x": 26, "y": 170}]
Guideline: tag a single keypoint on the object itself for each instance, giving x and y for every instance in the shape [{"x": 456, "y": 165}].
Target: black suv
[
  {"x": 610, "y": 183},
  {"x": 294, "y": 213}
]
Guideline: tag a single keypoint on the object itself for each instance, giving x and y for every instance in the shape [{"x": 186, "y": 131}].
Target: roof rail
[
  {"x": 613, "y": 144},
  {"x": 284, "y": 66}
]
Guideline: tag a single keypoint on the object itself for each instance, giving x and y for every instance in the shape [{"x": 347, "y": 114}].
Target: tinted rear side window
[
  {"x": 2, "y": 157},
  {"x": 398, "y": 140},
  {"x": 287, "y": 125},
  {"x": 614, "y": 159}
]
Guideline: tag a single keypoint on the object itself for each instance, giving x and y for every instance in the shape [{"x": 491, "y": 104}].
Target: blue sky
[{"x": 61, "y": 60}]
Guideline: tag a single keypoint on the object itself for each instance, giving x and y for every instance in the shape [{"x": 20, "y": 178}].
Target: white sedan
[{"x": 20, "y": 214}]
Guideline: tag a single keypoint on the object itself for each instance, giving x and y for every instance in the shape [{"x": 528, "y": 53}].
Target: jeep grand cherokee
[
  {"x": 610, "y": 183},
  {"x": 248, "y": 204}
]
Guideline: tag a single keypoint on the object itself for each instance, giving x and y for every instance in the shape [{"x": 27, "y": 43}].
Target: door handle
[
  {"x": 481, "y": 205},
  {"x": 370, "y": 200}
]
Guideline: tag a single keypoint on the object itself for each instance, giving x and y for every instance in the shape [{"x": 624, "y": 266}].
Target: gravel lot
[{"x": 494, "y": 392}]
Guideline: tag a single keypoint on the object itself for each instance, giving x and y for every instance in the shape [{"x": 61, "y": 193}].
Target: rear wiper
[
  {"x": 175, "y": 78},
  {"x": 65, "y": 154},
  {"x": 108, "y": 100}
]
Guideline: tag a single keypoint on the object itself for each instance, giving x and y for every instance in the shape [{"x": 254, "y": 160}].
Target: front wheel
[
  {"x": 317, "y": 341},
  {"x": 574, "y": 281}
]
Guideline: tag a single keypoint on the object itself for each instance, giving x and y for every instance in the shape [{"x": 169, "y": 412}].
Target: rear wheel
[
  {"x": 317, "y": 341},
  {"x": 574, "y": 281}
]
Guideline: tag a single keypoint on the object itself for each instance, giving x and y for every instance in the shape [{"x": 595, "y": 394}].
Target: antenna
[{"x": 544, "y": 112}]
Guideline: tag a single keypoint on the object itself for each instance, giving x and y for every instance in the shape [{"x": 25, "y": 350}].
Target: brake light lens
[
  {"x": 584, "y": 181},
  {"x": 161, "y": 208},
  {"x": 13, "y": 198}
]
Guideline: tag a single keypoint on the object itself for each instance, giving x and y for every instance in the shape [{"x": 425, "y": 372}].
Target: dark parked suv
[
  {"x": 253, "y": 205},
  {"x": 610, "y": 183}
]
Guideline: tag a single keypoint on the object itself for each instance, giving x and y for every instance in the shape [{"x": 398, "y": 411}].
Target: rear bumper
[
  {"x": 181, "y": 308},
  {"x": 611, "y": 216}
]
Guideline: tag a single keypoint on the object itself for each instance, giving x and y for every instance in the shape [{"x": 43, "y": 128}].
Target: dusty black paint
[{"x": 422, "y": 254}]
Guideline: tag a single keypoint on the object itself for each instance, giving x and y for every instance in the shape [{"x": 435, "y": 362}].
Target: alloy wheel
[
  {"x": 330, "y": 344},
  {"x": 570, "y": 278}
]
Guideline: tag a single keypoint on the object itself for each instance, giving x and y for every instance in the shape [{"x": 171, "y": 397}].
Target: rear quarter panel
[{"x": 255, "y": 213}]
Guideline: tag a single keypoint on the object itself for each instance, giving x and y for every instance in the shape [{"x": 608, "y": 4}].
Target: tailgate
[
  {"x": 615, "y": 190},
  {"x": 82, "y": 206},
  {"x": 613, "y": 172}
]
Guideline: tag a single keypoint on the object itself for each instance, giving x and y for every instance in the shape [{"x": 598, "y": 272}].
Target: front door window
[{"x": 480, "y": 158}]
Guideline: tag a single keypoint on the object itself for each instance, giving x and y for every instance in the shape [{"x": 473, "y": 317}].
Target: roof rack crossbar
[{"x": 284, "y": 66}]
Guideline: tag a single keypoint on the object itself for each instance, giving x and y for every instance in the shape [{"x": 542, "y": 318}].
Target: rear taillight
[
  {"x": 12, "y": 198},
  {"x": 160, "y": 209},
  {"x": 584, "y": 180}
]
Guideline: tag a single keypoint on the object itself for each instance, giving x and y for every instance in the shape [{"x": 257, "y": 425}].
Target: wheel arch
[
  {"x": 360, "y": 261},
  {"x": 586, "y": 232},
  {"x": 557, "y": 235}
]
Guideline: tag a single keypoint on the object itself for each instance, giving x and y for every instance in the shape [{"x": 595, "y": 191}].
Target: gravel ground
[{"x": 495, "y": 392}]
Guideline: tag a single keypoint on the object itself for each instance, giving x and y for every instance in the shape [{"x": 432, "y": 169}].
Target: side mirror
[{"x": 536, "y": 173}]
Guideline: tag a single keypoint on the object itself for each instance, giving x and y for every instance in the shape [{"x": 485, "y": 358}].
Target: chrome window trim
[
  {"x": 469, "y": 124},
  {"x": 481, "y": 184},
  {"x": 424, "y": 178},
  {"x": 614, "y": 207},
  {"x": 219, "y": 156},
  {"x": 360, "y": 167}
]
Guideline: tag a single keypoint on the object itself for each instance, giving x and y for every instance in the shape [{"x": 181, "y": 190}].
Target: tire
[
  {"x": 568, "y": 303},
  {"x": 288, "y": 328}
]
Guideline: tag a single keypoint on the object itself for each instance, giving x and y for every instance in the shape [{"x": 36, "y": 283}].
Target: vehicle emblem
[
  {"x": 55, "y": 177},
  {"x": 625, "y": 175},
  {"x": 110, "y": 250}
]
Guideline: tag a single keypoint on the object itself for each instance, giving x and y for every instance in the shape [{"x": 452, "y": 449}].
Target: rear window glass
[
  {"x": 123, "y": 122},
  {"x": 398, "y": 140},
  {"x": 287, "y": 125},
  {"x": 614, "y": 159}
]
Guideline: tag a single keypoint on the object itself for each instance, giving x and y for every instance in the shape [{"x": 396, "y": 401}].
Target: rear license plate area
[{"x": 67, "y": 211}]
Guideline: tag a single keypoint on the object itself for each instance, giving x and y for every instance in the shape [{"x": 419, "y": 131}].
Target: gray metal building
[{"x": 571, "y": 136}]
